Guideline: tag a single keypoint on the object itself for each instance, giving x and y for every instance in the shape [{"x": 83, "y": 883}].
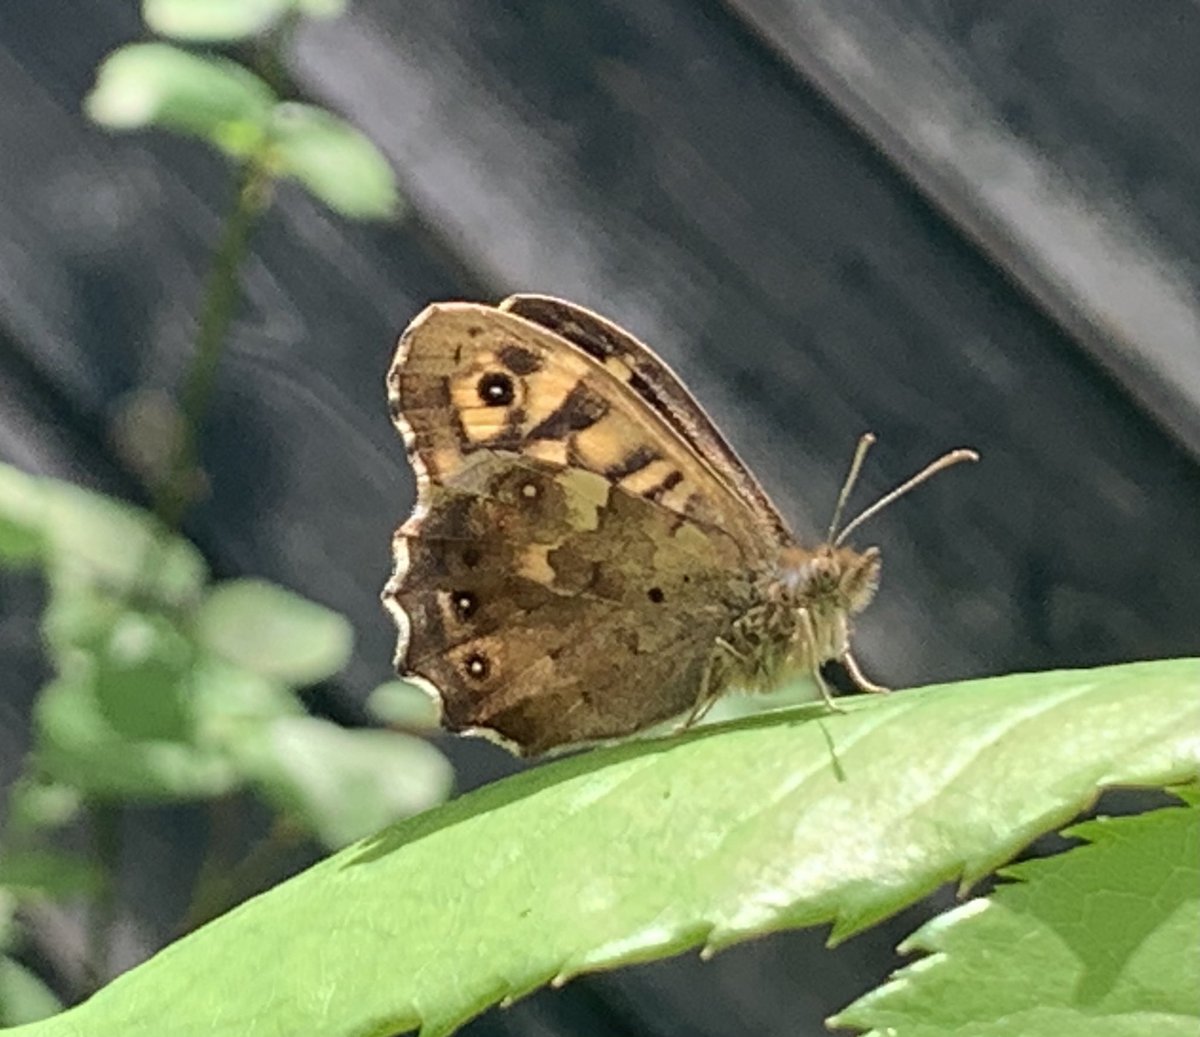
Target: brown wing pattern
[
  {"x": 657, "y": 386},
  {"x": 469, "y": 377},
  {"x": 570, "y": 561},
  {"x": 549, "y": 635}
]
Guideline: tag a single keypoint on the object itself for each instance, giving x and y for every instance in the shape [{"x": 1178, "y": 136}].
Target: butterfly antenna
[
  {"x": 860, "y": 453},
  {"x": 931, "y": 469}
]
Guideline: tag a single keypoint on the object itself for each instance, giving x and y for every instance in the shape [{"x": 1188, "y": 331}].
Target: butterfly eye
[
  {"x": 656, "y": 595},
  {"x": 495, "y": 389},
  {"x": 465, "y": 603},
  {"x": 477, "y": 667}
]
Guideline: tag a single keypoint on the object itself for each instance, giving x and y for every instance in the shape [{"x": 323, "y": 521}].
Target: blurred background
[{"x": 950, "y": 223}]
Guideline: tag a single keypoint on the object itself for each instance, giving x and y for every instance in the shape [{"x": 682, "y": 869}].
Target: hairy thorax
[{"x": 797, "y": 617}]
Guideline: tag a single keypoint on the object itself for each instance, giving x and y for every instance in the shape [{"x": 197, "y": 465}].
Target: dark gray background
[{"x": 950, "y": 222}]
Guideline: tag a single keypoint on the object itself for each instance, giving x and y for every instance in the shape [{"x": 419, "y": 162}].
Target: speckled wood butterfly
[{"x": 588, "y": 556}]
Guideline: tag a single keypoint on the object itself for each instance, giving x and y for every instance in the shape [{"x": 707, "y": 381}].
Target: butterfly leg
[
  {"x": 863, "y": 682},
  {"x": 814, "y": 661},
  {"x": 707, "y": 695},
  {"x": 699, "y": 711}
]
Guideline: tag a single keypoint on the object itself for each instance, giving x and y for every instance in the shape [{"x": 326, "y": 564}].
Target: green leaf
[
  {"x": 155, "y": 84},
  {"x": 233, "y": 702},
  {"x": 86, "y": 537},
  {"x": 78, "y": 746},
  {"x": 1106, "y": 936},
  {"x": 47, "y": 872},
  {"x": 137, "y": 662},
  {"x": 23, "y": 997},
  {"x": 645, "y": 849},
  {"x": 35, "y": 803},
  {"x": 91, "y": 539},
  {"x": 341, "y": 784},
  {"x": 334, "y": 161},
  {"x": 213, "y": 20},
  {"x": 404, "y": 705},
  {"x": 141, "y": 674},
  {"x": 21, "y": 517},
  {"x": 271, "y": 631}
]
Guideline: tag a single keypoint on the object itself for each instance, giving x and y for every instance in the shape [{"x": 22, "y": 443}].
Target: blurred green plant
[
  {"x": 167, "y": 687},
  {"x": 268, "y": 138},
  {"x": 170, "y": 688},
  {"x": 180, "y": 689},
  {"x": 229, "y": 20},
  {"x": 24, "y": 998}
]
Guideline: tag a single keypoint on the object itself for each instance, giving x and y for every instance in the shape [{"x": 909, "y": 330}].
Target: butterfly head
[
  {"x": 838, "y": 578},
  {"x": 817, "y": 591},
  {"x": 835, "y": 579},
  {"x": 828, "y": 584},
  {"x": 810, "y": 600}
]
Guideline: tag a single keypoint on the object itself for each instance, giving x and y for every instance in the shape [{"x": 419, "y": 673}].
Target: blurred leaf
[
  {"x": 138, "y": 663},
  {"x": 21, "y": 517},
  {"x": 35, "y": 804},
  {"x": 272, "y": 631},
  {"x": 155, "y": 84},
  {"x": 213, "y": 19},
  {"x": 636, "y": 851},
  {"x": 142, "y": 679},
  {"x": 231, "y": 700},
  {"x": 78, "y": 617},
  {"x": 47, "y": 872},
  {"x": 1104, "y": 942},
  {"x": 93, "y": 538},
  {"x": 76, "y": 745},
  {"x": 404, "y": 705},
  {"x": 345, "y": 784},
  {"x": 334, "y": 161},
  {"x": 23, "y": 997},
  {"x": 85, "y": 536}
]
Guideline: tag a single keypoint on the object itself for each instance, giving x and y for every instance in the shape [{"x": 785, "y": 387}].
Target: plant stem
[
  {"x": 175, "y": 491},
  {"x": 106, "y": 842}
]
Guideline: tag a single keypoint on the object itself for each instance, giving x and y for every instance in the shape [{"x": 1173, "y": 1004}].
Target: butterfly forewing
[
  {"x": 658, "y": 388},
  {"x": 572, "y": 559},
  {"x": 470, "y": 378}
]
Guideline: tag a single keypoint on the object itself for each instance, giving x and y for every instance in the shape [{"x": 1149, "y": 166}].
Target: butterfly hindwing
[{"x": 544, "y": 632}]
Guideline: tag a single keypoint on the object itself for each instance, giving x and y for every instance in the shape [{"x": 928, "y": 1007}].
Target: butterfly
[{"x": 587, "y": 556}]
